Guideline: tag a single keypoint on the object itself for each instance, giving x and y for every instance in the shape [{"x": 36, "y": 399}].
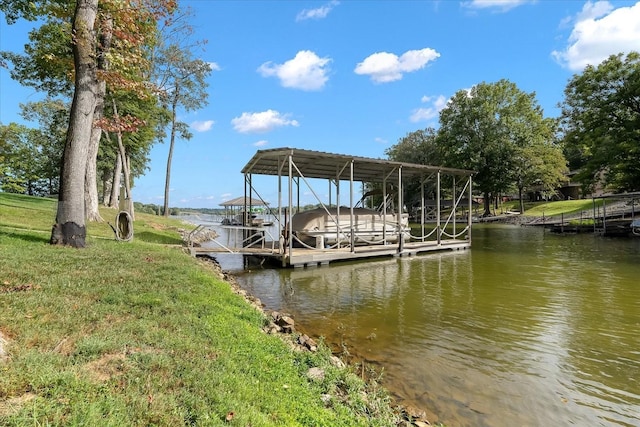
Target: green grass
[
  {"x": 551, "y": 208},
  {"x": 561, "y": 207},
  {"x": 140, "y": 334}
]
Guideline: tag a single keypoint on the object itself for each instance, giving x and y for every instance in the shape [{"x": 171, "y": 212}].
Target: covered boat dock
[{"x": 346, "y": 178}]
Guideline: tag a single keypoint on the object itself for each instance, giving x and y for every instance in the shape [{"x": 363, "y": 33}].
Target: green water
[{"x": 527, "y": 328}]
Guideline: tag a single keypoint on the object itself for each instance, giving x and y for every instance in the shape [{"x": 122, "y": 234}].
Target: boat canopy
[{"x": 318, "y": 164}]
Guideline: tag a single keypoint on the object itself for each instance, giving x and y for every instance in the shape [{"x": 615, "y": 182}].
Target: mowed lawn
[{"x": 141, "y": 334}]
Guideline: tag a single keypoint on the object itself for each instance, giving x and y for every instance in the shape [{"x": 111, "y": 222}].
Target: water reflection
[{"x": 527, "y": 328}]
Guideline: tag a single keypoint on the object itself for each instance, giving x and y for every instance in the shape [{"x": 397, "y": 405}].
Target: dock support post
[
  {"x": 384, "y": 208},
  {"x": 594, "y": 214},
  {"x": 351, "y": 223},
  {"x": 399, "y": 214},
  {"x": 290, "y": 230},
  {"x": 469, "y": 220},
  {"x": 455, "y": 205},
  {"x": 422, "y": 206},
  {"x": 604, "y": 217},
  {"x": 438, "y": 227}
]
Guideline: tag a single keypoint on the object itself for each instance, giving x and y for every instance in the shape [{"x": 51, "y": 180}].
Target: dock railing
[{"x": 243, "y": 238}]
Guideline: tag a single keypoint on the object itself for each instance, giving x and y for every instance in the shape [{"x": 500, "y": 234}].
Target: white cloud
[
  {"x": 213, "y": 66},
  {"x": 307, "y": 71},
  {"x": 500, "y": 5},
  {"x": 318, "y": 13},
  {"x": 591, "y": 11},
  {"x": 598, "y": 32},
  {"x": 430, "y": 112},
  {"x": 262, "y": 122},
  {"x": 260, "y": 143},
  {"x": 380, "y": 140},
  {"x": 204, "y": 126},
  {"x": 384, "y": 67}
]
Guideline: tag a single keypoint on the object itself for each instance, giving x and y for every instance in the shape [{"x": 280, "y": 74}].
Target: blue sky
[{"x": 353, "y": 77}]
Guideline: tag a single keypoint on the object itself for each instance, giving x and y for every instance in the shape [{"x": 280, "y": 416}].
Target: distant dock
[{"x": 613, "y": 215}]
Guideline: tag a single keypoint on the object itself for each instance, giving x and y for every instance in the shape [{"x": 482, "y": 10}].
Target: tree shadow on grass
[
  {"x": 27, "y": 236},
  {"x": 151, "y": 237}
]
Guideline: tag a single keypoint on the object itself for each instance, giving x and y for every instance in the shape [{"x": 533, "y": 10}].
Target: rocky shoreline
[{"x": 283, "y": 325}]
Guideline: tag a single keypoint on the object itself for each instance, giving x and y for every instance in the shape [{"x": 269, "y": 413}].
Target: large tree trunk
[
  {"x": 91, "y": 202},
  {"x": 487, "y": 204},
  {"x": 70, "y": 221},
  {"x": 92, "y": 212},
  {"x": 521, "y": 201}
]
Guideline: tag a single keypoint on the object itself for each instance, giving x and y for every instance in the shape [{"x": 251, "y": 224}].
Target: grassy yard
[
  {"x": 142, "y": 334},
  {"x": 552, "y": 208}
]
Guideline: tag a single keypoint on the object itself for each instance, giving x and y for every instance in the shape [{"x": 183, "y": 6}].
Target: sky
[{"x": 352, "y": 77}]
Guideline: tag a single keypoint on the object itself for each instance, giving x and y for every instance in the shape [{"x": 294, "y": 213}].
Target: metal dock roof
[{"x": 318, "y": 164}]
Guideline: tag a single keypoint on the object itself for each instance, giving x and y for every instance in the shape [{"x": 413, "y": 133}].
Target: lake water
[{"x": 528, "y": 328}]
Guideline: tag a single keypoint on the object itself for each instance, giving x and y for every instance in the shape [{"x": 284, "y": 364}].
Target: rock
[
  {"x": 326, "y": 399},
  {"x": 414, "y": 412},
  {"x": 337, "y": 362},
  {"x": 272, "y": 328},
  {"x": 315, "y": 374},
  {"x": 415, "y": 417},
  {"x": 286, "y": 323},
  {"x": 308, "y": 343}
]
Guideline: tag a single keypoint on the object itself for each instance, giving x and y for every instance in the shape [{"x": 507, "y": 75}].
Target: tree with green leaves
[
  {"x": 70, "y": 228},
  {"x": 135, "y": 22},
  {"x": 601, "y": 123},
  {"x": 19, "y": 160},
  {"x": 48, "y": 66},
  {"x": 52, "y": 115},
  {"x": 140, "y": 118},
  {"x": 539, "y": 162},
  {"x": 419, "y": 147},
  {"x": 183, "y": 88},
  {"x": 490, "y": 130}
]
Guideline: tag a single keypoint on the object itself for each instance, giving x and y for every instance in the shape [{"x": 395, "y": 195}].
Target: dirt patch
[
  {"x": 13, "y": 405},
  {"x": 156, "y": 226},
  {"x": 65, "y": 346},
  {"x": 107, "y": 367},
  {"x": 7, "y": 287},
  {"x": 3, "y": 344}
]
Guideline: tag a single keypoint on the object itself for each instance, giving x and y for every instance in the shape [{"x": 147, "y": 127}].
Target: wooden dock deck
[{"x": 302, "y": 257}]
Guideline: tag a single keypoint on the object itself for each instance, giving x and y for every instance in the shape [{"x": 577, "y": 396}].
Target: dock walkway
[{"x": 303, "y": 257}]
